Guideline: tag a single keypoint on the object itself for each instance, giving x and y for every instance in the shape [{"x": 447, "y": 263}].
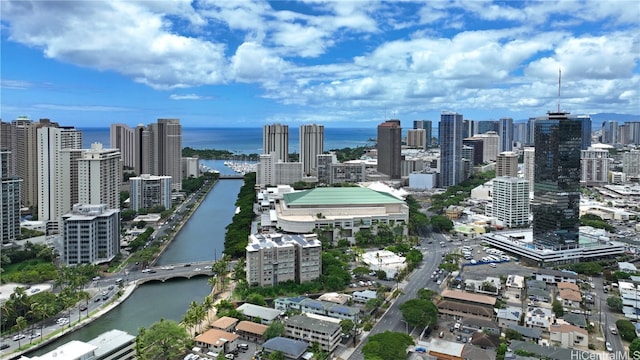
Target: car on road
[
  {"x": 608, "y": 346},
  {"x": 197, "y": 269},
  {"x": 208, "y": 267},
  {"x": 97, "y": 299},
  {"x": 4, "y": 346},
  {"x": 34, "y": 335},
  {"x": 492, "y": 265},
  {"x": 613, "y": 330},
  {"x": 96, "y": 278},
  {"x": 19, "y": 337},
  {"x": 83, "y": 308}
]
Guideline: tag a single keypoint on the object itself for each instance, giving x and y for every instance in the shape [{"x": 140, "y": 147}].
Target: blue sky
[{"x": 241, "y": 63}]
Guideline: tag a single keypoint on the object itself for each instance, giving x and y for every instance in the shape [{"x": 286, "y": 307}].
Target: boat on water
[{"x": 241, "y": 167}]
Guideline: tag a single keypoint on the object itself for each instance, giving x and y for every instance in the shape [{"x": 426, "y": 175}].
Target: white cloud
[{"x": 188, "y": 97}]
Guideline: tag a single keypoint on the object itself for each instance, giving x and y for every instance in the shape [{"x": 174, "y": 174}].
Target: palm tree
[
  {"x": 21, "y": 325},
  {"x": 207, "y": 303},
  {"x": 213, "y": 281}
]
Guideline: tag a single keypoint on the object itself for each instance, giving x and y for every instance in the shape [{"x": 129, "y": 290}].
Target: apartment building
[
  {"x": 276, "y": 258},
  {"x": 326, "y": 333},
  {"x": 91, "y": 234},
  {"x": 510, "y": 202},
  {"x": 148, "y": 191},
  {"x": 595, "y": 166}
]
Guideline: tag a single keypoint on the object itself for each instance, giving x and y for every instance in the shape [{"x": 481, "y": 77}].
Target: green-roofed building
[{"x": 341, "y": 212}]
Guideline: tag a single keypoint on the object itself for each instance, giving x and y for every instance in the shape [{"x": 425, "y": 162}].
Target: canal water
[{"x": 201, "y": 238}]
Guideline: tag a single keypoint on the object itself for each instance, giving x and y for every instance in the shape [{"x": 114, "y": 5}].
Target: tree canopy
[
  {"x": 419, "y": 312},
  {"x": 165, "y": 339},
  {"x": 387, "y": 345}
]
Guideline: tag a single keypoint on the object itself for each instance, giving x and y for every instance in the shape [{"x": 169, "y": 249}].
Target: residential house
[
  {"x": 551, "y": 276},
  {"x": 551, "y": 352},
  {"x": 508, "y": 316},
  {"x": 528, "y": 334},
  {"x": 265, "y": 314},
  {"x": 364, "y": 296},
  {"x": 217, "y": 341},
  {"x": 251, "y": 331},
  {"x": 539, "y": 318},
  {"x": 568, "y": 336},
  {"x": 569, "y": 294},
  {"x": 290, "y": 348},
  {"x": 443, "y": 349},
  {"x": 312, "y": 306},
  {"x": 574, "y": 319},
  {"x": 225, "y": 323}
]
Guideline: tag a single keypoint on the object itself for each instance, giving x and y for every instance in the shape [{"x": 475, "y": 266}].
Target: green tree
[
  {"x": 615, "y": 303},
  {"x": 441, "y": 223},
  {"x": 626, "y": 329},
  {"x": 387, "y": 345},
  {"x": 21, "y": 325},
  {"x": 256, "y": 299},
  {"x": 347, "y": 325},
  {"x": 634, "y": 349},
  {"x": 276, "y": 355},
  {"x": 165, "y": 339},
  {"x": 419, "y": 312},
  {"x": 275, "y": 329},
  {"x": 556, "y": 307}
]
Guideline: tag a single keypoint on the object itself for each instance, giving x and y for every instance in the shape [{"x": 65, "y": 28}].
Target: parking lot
[
  {"x": 481, "y": 272},
  {"x": 248, "y": 354}
]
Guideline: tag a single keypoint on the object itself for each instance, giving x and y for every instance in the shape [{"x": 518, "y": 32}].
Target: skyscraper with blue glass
[
  {"x": 556, "y": 202},
  {"x": 450, "y": 135}
]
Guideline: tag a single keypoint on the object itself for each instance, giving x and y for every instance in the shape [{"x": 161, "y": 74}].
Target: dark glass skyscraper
[
  {"x": 556, "y": 201},
  {"x": 390, "y": 148},
  {"x": 450, "y": 130}
]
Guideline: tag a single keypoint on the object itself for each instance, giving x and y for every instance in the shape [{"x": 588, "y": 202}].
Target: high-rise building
[
  {"x": 324, "y": 162},
  {"x": 271, "y": 171},
  {"x": 556, "y": 202},
  {"x": 609, "y": 132},
  {"x": 123, "y": 138},
  {"x": 595, "y": 165},
  {"x": 586, "y": 131},
  {"x": 528, "y": 166},
  {"x": 507, "y": 164},
  {"x": 631, "y": 163},
  {"x": 520, "y": 133},
  {"x": 427, "y": 125},
  {"x": 9, "y": 200},
  {"x": 505, "y": 131},
  {"x": 490, "y": 145},
  {"x": 417, "y": 138},
  {"x": 390, "y": 148},
  {"x": 476, "y": 154},
  {"x": 99, "y": 176},
  {"x": 25, "y": 153},
  {"x": 91, "y": 234},
  {"x": 7, "y": 143},
  {"x": 510, "y": 203},
  {"x": 311, "y": 145},
  {"x": 276, "y": 258},
  {"x": 142, "y": 142},
  {"x": 275, "y": 138},
  {"x": 166, "y": 150},
  {"x": 450, "y": 135},
  {"x": 148, "y": 191},
  {"x": 54, "y": 184},
  {"x": 190, "y": 167}
]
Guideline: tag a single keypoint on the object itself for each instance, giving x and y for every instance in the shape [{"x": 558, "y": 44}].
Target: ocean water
[{"x": 247, "y": 140}]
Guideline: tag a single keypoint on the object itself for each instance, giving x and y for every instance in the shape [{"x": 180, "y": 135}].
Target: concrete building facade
[
  {"x": 595, "y": 166},
  {"x": 91, "y": 234},
  {"x": 148, "y": 191},
  {"x": 99, "y": 176},
  {"x": 511, "y": 201},
  {"x": 275, "y": 138},
  {"x": 389, "y": 148},
  {"x": 9, "y": 200},
  {"x": 311, "y": 145},
  {"x": 276, "y": 258},
  {"x": 507, "y": 164}
]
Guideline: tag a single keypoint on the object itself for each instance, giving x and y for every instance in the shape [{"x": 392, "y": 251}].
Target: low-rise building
[
  {"x": 265, "y": 314},
  {"x": 311, "y": 306},
  {"x": 325, "y": 333},
  {"x": 364, "y": 296},
  {"x": 225, "y": 323},
  {"x": 568, "y": 336},
  {"x": 569, "y": 294},
  {"x": 460, "y": 304},
  {"x": 539, "y": 318},
  {"x": 217, "y": 341},
  {"x": 508, "y": 316},
  {"x": 291, "y": 349},
  {"x": 91, "y": 234},
  {"x": 111, "y": 345},
  {"x": 251, "y": 331},
  {"x": 551, "y": 276},
  {"x": 384, "y": 260},
  {"x": 528, "y": 334}
]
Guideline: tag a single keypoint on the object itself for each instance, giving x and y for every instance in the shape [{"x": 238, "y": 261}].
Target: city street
[{"x": 419, "y": 279}]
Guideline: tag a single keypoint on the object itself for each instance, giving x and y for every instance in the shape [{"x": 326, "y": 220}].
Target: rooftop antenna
[{"x": 559, "y": 83}]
